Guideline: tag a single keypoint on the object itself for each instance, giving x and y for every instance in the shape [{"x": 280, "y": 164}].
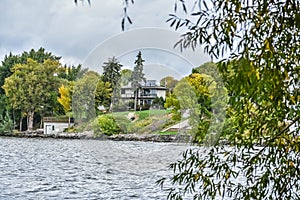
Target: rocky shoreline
[{"x": 176, "y": 138}]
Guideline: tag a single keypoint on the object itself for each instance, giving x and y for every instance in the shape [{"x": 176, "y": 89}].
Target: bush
[
  {"x": 141, "y": 126},
  {"x": 6, "y": 124},
  {"x": 105, "y": 124},
  {"x": 122, "y": 122}
]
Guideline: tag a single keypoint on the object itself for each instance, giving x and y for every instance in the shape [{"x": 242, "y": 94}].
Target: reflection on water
[{"x": 83, "y": 169}]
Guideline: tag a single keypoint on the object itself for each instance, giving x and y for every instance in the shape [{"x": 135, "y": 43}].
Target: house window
[
  {"x": 122, "y": 91},
  {"x": 153, "y": 92}
]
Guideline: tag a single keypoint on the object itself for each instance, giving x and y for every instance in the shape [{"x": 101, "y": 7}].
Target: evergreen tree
[
  {"x": 112, "y": 75},
  {"x": 137, "y": 77},
  {"x": 71, "y": 73},
  {"x": 112, "y": 72}
]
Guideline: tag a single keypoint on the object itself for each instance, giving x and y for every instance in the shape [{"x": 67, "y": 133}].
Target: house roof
[{"x": 145, "y": 86}]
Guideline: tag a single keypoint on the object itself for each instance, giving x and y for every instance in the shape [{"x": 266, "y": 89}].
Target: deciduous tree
[
  {"x": 169, "y": 82},
  {"x": 5, "y": 71},
  {"x": 30, "y": 87},
  {"x": 83, "y": 102},
  {"x": 65, "y": 96},
  {"x": 125, "y": 76},
  {"x": 103, "y": 95}
]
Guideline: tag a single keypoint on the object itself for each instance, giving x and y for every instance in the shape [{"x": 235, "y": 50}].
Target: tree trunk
[
  {"x": 30, "y": 120},
  {"x": 41, "y": 123},
  {"x": 135, "y": 99},
  {"x": 69, "y": 122},
  {"x": 21, "y": 123}
]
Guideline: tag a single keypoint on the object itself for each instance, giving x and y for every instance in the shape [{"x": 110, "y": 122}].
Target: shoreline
[{"x": 88, "y": 135}]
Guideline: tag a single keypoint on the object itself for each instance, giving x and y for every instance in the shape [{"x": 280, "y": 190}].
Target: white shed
[{"x": 53, "y": 125}]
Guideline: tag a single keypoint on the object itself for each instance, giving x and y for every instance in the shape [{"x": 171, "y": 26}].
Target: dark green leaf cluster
[
  {"x": 71, "y": 73},
  {"x": 137, "y": 75},
  {"x": 112, "y": 72}
]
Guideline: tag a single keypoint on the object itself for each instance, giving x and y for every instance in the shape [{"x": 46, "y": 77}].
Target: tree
[
  {"x": 112, "y": 72},
  {"x": 158, "y": 102},
  {"x": 125, "y": 76},
  {"x": 6, "y": 124},
  {"x": 137, "y": 77},
  {"x": 261, "y": 38},
  {"x": 208, "y": 68},
  {"x": 261, "y": 75},
  {"x": 71, "y": 73},
  {"x": 172, "y": 102},
  {"x": 68, "y": 74},
  {"x": 169, "y": 82},
  {"x": 65, "y": 96},
  {"x": 5, "y": 71},
  {"x": 83, "y": 99},
  {"x": 40, "y": 55},
  {"x": 103, "y": 95},
  {"x": 30, "y": 87},
  {"x": 112, "y": 75},
  {"x": 202, "y": 86}
]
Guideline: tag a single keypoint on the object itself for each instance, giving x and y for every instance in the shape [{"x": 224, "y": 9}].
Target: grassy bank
[{"x": 141, "y": 122}]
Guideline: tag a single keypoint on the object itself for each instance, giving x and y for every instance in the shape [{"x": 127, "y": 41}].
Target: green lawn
[
  {"x": 148, "y": 121},
  {"x": 142, "y": 114},
  {"x": 168, "y": 133}
]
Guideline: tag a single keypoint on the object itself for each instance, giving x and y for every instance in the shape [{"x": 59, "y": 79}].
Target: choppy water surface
[{"x": 83, "y": 169}]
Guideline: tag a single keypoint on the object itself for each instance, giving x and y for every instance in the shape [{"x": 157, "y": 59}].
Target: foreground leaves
[{"x": 262, "y": 78}]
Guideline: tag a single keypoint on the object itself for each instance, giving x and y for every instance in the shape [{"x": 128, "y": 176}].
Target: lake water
[{"x": 83, "y": 169}]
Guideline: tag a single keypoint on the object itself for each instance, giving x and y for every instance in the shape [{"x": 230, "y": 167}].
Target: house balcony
[
  {"x": 148, "y": 96},
  {"x": 127, "y": 96}
]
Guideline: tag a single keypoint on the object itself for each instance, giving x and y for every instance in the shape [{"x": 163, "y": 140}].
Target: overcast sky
[{"x": 73, "y": 32}]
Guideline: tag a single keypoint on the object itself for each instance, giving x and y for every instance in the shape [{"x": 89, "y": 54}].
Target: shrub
[
  {"x": 105, "y": 124},
  {"x": 6, "y": 124},
  {"x": 122, "y": 122},
  {"x": 140, "y": 126}
]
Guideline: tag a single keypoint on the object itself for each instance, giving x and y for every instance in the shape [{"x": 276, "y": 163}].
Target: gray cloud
[
  {"x": 59, "y": 26},
  {"x": 72, "y": 31}
]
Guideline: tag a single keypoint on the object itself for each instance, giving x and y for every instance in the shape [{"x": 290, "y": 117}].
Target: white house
[
  {"x": 148, "y": 91},
  {"x": 53, "y": 125}
]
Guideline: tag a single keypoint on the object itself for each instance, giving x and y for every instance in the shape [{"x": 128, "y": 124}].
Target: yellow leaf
[
  {"x": 238, "y": 7},
  {"x": 291, "y": 164},
  {"x": 293, "y": 100},
  {"x": 257, "y": 75},
  {"x": 227, "y": 175},
  {"x": 267, "y": 44}
]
